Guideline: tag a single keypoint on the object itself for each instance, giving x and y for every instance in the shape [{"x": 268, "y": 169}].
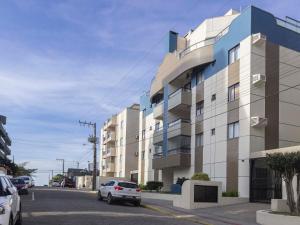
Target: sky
[{"x": 67, "y": 60}]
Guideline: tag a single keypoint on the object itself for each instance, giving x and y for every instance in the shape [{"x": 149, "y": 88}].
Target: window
[
  {"x": 233, "y": 130},
  {"x": 199, "y": 108},
  {"x": 121, "y": 158},
  {"x": 233, "y": 92},
  {"x": 143, "y": 134},
  {"x": 122, "y": 124},
  {"x": 234, "y": 54},
  {"x": 121, "y": 141},
  {"x": 199, "y": 78},
  {"x": 213, "y": 131},
  {"x": 199, "y": 140},
  {"x": 213, "y": 97},
  {"x": 150, "y": 128}
]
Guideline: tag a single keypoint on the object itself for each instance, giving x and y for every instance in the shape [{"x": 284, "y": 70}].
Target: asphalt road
[{"x": 71, "y": 207}]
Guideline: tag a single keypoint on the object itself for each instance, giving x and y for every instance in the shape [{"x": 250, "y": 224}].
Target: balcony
[
  {"x": 158, "y": 135},
  {"x": 110, "y": 123},
  {"x": 179, "y": 158},
  {"x": 179, "y": 128},
  {"x": 3, "y": 147},
  {"x": 180, "y": 101},
  {"x": 158, "y": 111},
  {"x": 110, "y": 137},
  {"x": 110, "y": 152}
]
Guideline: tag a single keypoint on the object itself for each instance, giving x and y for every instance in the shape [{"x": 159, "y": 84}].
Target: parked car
[
  {"x": 120, "y": 191},
  {"x": 21, "y": 186},
  {"x": 28, "y": 180},
  {"x": 67, "y": 182},
  {"x": 55, "y": 184},
  {"x": 10, "y": 203}
]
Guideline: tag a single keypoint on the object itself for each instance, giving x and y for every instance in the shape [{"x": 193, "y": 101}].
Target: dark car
[{"x": 20, "y": 185}]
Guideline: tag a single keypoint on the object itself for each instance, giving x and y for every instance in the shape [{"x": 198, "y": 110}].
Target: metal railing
[{"x": 178, "y": 150}]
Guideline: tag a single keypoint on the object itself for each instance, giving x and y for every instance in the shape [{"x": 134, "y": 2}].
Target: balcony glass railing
[
  {"x": 195, "y": 46},
  {"x": 179, "y": 121},
  {"x": 179, "y": 91},
  {"x": 174, "y": 151}
]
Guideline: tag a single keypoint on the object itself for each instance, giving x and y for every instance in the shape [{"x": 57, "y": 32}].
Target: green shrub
[
  {"x": 154, "y": 185},
  {"x": 230, "y": 194},
  {"x": 200, "y": 176},
  {"x": 142, "y": 187}
]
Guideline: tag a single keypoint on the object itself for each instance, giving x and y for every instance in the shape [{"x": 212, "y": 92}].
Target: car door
[
  {"x": 103, "y": 189},
  {"x": 109, "y": 188},
  {"x": 14, "y": 195}
]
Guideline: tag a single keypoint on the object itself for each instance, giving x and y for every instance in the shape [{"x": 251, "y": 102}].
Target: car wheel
[
  {"x": 99, "y": 196},
  {"x": 109, "y": 199},
  {"x": 19, "y": 220},
  {"x": 138, "y": 203}
]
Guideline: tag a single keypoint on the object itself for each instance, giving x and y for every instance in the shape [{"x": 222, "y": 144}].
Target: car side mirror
[{"x": 102, "y": 185}]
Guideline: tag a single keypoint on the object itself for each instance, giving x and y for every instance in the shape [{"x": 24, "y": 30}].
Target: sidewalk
[{"x": 239, "y": 214}]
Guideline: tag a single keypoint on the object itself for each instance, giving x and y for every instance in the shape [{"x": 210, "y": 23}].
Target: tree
[
  {"x": 15, "y": 169},
  {"x": 58, "y": 178},
  {"x": 288, "y": 166}
]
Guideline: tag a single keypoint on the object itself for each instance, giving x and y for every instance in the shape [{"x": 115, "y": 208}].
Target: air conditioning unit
[
  {"x": 258, "y": 79},
  {"x": 258, "y": 39},
  {"x": 136, "y": 154},
  {"x": 258, "y": 122}
]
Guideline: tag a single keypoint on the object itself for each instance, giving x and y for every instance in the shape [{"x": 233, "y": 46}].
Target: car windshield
[
  {"x": 17, "y": 181},
  {"x": 127, "y": 185}
]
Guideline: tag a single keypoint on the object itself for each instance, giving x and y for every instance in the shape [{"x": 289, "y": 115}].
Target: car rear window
[{"x": 127, "y": 185}]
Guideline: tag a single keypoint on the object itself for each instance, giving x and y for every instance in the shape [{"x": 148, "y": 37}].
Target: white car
[
  {"x": 125, "y": 191},
  {"x": 28, "y": 180},
  {"x": 10, "y": 203}
]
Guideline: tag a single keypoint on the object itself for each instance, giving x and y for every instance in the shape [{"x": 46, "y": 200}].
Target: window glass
[
  {"x": 199, "y": 108},
  {"x": 143, "y": 155},
  {"x": 233, "y": 130},
  {"x": 143, "y": 134},
  {"x": 157, "y": 126},
  {"x": 213, "y": 97},
  {"x": 234, "y": 54},
  {"x": 199, "y": 78},
  {"x": 199, "y": 140},
  {"x": 127, "y": 185},
  {"x": 233, "y": 92}
]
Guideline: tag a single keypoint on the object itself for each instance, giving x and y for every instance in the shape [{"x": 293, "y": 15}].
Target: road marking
[
  {"x": 32, "y": 196},
  {"x": 99, "y": 213}
]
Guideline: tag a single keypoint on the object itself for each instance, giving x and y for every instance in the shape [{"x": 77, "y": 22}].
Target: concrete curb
[{"x": 190, "y": 218}]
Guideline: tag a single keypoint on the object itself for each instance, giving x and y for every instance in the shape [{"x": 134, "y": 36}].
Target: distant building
[
  {"x": 119, "y": 144},
  {"x": 5, "y": 141},
  {"x": 75, "y": 172}
]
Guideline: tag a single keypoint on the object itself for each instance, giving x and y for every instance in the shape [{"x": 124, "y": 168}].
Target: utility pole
[
  {"x": 63, "y": 165},
  {"x": 93, "y": 139}
]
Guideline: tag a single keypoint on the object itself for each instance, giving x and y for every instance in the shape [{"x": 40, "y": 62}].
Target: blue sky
[{"x": 63, "y": 61}]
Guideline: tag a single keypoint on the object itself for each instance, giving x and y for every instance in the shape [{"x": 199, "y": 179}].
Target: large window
[
  {"x": 233, "y": 130},
  {"x": 234, "y": 54},
  {"x": 233, "y": 92},
  {"x": 199, "y": 140},
  {"x": 199, "y": 108}
]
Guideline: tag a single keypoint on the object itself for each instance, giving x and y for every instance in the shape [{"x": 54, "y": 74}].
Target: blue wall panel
[{"x": 165, "y": 120}]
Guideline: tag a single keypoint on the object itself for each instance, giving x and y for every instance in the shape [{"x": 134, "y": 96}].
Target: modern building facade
[
  {"x": 147, "y": 125},
  {"x": 119, "y": 144},
  {"x": 5, "y": 140},
  {"x": 223, "y": 91}
]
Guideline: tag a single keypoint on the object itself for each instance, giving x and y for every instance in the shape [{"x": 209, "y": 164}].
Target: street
[{"x": 72, "y": 207}]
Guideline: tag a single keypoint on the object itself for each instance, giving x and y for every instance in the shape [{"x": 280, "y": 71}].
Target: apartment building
[
  {"x": 119, "y": 144},
  {"x": 5, "y": 141},
  {"x": 147, "y": 125},
  {"x": 224, "y": 91}
]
